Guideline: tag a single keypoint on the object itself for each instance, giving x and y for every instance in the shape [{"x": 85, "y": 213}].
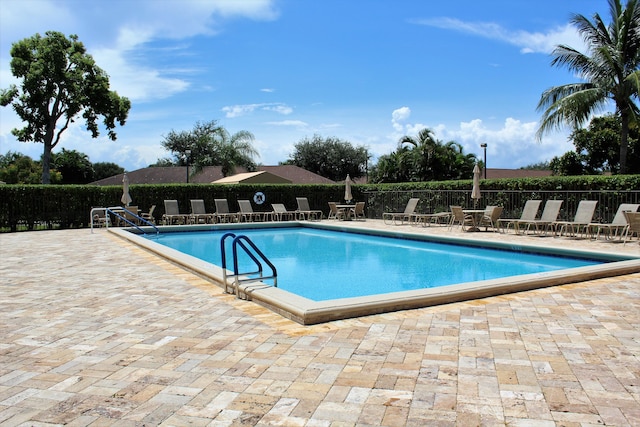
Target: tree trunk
[
  {"x": 624, "y": 140},
  {"x": 46, "y": 163}
]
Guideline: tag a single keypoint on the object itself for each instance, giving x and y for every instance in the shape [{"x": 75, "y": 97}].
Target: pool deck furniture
[
  {"x": 399, "y": 218},
  {"x": 148, "y": 216},
  {"x": 459, "y": 217},
  {"x": 617, "y": 226},
  {"x": 172, "y": 213},
  {"x": 633, "y": 225},
  {"x": 426, "y": 219},
  {"x": 581, "y": 220},
  {"x": 280, "y": 213},
  {"x": 305, "y": 212},
  {"x": 199, "y": 214},
  {"x": 475, "y": 216},
  {"x": 529, "y": 213},
  {"x": 334, "y": 211},
  {"x": 247, "y": 214},
  {"x": 541, "y": 226},
  {"x": 490, "y": 218},
  {"x": 223, "y": 214},
  {"x": 358, "y": 211}
]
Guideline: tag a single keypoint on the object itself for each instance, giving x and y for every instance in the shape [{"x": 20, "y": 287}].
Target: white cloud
[
  {"x": 511, "y": 146},
  {"x": 232, "y": 111},
  {"x": 528, "y": 42},
  {"x": 290, "y": 123}
]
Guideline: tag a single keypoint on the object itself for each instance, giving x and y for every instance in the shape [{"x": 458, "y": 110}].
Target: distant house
[
  {"x": 260, "y": 177},
  {"x": 493, "y": 173},
  {"x": 178, "y": 174}
]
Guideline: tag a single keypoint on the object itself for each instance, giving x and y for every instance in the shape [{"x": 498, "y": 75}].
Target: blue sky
[{"x": 365, "y": 71}]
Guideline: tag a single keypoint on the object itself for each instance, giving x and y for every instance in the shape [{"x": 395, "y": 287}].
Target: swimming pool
[
  {"x": 327, "y": 264},
  {"x": 306, "y": 311}
]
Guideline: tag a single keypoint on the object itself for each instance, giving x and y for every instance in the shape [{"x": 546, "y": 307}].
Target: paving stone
[{"x": 98, "y": 332}]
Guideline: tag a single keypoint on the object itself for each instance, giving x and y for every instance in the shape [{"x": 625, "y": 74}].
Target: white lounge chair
[
  {"x": 529, "y": 213},
  {"x": 617, "y": 226},
  {"x": 581, "y": 220},
  {"x": 540, "y": 226},
  {"x": 409, "y": 211}
]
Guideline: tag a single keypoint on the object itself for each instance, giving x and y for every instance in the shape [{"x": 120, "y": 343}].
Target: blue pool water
[{"x": 322, "y": 265}]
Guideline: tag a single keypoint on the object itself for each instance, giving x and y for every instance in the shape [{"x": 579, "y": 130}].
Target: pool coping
[{"x": 309, "y": 312}]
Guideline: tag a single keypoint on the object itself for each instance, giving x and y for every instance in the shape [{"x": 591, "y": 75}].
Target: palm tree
[
  {"x": 609, "y": 73},
  {"x": 236, "y": 150}
]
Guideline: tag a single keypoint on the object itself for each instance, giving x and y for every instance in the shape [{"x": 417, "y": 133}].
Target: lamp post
[
  {"x": 484, "y": 147},
  {"x": 188, "y": 153}
]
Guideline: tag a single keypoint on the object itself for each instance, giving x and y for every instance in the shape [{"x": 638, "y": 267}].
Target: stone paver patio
[{"x": 95, "y": 331}]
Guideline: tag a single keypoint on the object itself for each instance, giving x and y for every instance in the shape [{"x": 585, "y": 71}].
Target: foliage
[
  {"x": 74, "y": 166},
  {"x": 59, "y": 82},
  {"x": 597, "y": 149},
  {"x": 16, "y": 168},
  {"x": 104, "y": 170},
  {"x": 541, "y": 166},
  {"x": 609, "y": 72},
  {"x": 209, "y": 144},
  {"x": 423, "y": 158},
  {"x": 330, "y": 157},
  {"x": 67, "y": 206}
]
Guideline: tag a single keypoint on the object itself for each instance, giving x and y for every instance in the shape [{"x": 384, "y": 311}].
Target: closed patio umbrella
[
  {"x": 126, "y": 198},
  {"x": 347, "y": 189},
  {"x": 475, "y": 192}
]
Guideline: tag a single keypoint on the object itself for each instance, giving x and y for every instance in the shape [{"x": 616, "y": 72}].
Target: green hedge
[{"x": 68, "y": 206}]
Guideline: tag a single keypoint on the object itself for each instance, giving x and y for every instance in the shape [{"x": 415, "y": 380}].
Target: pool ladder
[{"x": 237, "y": 278}]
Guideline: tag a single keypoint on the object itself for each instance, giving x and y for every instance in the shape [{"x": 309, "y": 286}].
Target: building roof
[
  {"x": 260, "y": 177},
  {"x": 493, "y": 173},
  {"x": 178, "y": 174}
]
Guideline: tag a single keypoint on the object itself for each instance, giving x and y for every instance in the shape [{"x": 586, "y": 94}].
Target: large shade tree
[
  {"x": 60, "y": 81},
  {"x": 609, "y": 71},
  {"x": 330, "y": 157},
  {"x": 424, "y": 158},
  {"x": 209, "y": 144}
]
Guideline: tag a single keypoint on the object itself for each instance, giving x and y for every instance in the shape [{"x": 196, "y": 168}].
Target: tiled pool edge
[{"x": 308, "y": 312}]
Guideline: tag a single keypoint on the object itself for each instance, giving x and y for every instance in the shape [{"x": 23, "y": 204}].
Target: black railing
[{"x": 433, "y": 201}]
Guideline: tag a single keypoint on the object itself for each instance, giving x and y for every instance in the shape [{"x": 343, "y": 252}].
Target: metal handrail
[
  {"x": 251, "y": 250},
  {"x": 115, "y": 210}
]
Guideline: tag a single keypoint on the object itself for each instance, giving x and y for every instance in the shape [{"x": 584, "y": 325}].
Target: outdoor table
[
  {"x": 347, "y": 210},
  {"x": 476, "y": 218}
]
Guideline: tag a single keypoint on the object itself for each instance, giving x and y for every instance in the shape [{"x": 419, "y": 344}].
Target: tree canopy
[
  {"x": 609, "y": 72},
  {"x": 60, "y": 81},
  {"x": 209, "y": 144},
  {"x": 329, "y": 157},
  {"x": 424, "y": 158},
  {"x": 597, "y": 149}
]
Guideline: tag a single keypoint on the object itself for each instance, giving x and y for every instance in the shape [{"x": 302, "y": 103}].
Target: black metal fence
[{"x": 433, "y": 201}]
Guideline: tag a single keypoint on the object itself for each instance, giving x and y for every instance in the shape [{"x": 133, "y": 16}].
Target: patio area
[{"x": 96, "y": 331}]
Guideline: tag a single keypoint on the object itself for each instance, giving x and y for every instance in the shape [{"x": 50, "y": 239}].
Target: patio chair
[
  {"x": 128, "y": 216},
  {"x": 280, "y": 213},
  {"x": 101, "y": 218},
  {"x": 409, "y": 211},
  {"x": 247, "y": 214},
  {"x": 199, "y": 214},
  {"x": 581, "y": 220},
  {"x": 540, "y": 226},
  {"x": 617, "y": 226},
  {"x": 172, "y": 214},
  {"x": 148, "y": 216},
  {"x": 633, "y": 225},
  {"x": 432, "y": 218},
  {"x": 490, "y": 218},
  {"x": 358, "y": 211},
  {"x": 334, "y": 212},
  {"x": 529, "y": 213},
  {"x": 305, "y": 212},
  {"x": 222, "y": 212},
  {"x": 459, "y": 217}
]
